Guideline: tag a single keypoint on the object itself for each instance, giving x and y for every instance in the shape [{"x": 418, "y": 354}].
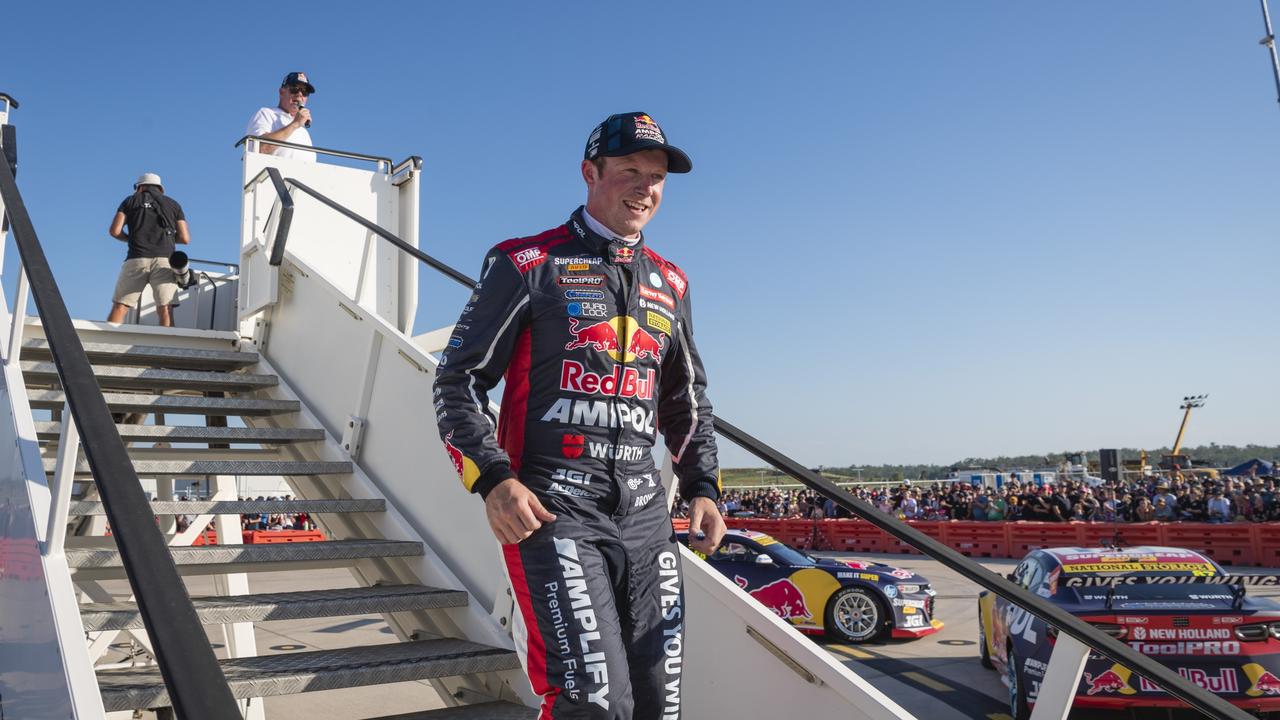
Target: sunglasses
[{"x": 295, "y": 89}]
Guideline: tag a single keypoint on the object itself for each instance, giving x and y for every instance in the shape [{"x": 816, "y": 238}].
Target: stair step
[
  {"x": 285, "y": 674},
  {"x": 46, "y": 430},
  {"x": 242, "y": 507},
  {"x": 221, "y": 467},
  {"x": 483, "y": 711},
  {"x": 134, "y": 377},
  {"x": 246, "y": 557},
  {"x": 155, "y": 355},
  {"x": 138, "y": 402},
  {"x": 285, "y": 605}
]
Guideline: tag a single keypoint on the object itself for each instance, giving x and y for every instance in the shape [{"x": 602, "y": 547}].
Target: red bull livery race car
[
  {"x": 848, "y": 600},
  {"x": 1176, "y": 606}
]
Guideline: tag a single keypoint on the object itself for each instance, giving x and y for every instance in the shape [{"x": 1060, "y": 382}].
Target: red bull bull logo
[
  {"x": 621, "y": 337},
  {"x": 1261, "y": 681},
  {"x": 1115, "y": 680},
  {"x": 781, "y": 596},
  {"x": 601, "y": 336}
]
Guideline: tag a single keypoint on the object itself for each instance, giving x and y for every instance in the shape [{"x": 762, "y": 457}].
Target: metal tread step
[
  {"x": 46, "y": 430},
  {"x": 483, "y": 711},
  {"x": 289, "y": 673},
  {"x": 285, "y": 605},
  {"x": 132, "y": 376},
  {"x": 139, "y": 402},
  {"x": 220, "y": 467},
  {"x": 242, "y": 507},
  {"x": 157, "y": 355},
  {"x": 247, "y": 556}
]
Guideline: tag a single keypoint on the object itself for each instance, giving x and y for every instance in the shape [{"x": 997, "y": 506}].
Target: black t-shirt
[{"x": 150, "y": 235}]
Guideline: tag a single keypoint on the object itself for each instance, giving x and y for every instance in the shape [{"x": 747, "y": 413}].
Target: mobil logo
[
  {"x": 620, "y": 336},
  {"x": 781, "y": 596},
  {"x": 572, "y": 445},
  {"x": 1111, "y": 681},
  {"x": 1261, "y": 681}
]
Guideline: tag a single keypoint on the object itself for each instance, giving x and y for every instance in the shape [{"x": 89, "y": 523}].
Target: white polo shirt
[{"x": 270, "y": 119}]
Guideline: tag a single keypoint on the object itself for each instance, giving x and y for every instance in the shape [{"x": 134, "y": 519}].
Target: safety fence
[{"x": 1227, "y": 543}]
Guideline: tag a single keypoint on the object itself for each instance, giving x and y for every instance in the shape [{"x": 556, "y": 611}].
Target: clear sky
[{"x": 914, "y": 231}]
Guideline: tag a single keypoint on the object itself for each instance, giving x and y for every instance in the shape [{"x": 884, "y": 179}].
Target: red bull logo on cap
[
  {"x": 607, "y": 336},
  {"x": 1115, "y": 680},
  {"x": 781, "y": 596}
]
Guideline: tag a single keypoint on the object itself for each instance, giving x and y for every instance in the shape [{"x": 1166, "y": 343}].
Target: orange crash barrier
[{"x": 263, "y": 537}]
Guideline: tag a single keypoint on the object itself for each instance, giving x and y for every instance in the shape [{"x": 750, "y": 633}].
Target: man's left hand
[{"x": 705, "y": 521}]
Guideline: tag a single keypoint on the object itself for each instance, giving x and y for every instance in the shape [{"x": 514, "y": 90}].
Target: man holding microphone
[{"x": 288, "y": 121}]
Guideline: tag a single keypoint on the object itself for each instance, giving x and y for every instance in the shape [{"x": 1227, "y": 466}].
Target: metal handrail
[
  {"x": 1176, "y": 685},
  {"x": 196, "y": 685},
  {"x": 323, "y": 151}
]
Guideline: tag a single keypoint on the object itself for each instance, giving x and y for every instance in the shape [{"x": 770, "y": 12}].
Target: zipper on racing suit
[{"x": 624, "y": 310}]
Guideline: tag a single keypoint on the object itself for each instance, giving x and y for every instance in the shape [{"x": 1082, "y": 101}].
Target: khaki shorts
[{"x": 137, "y": 273}]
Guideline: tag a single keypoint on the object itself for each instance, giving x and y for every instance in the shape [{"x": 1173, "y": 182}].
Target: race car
[
  {"x": 1176, "y": 606},
  {"x": 847, "y": 600}
]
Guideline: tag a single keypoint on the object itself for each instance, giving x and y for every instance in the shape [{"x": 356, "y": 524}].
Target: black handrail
[
  {"x": 312, "y": 148},
  {"x": 196, "y": 685},
  {"x": 286, "y": 216},
  {"x": 1176, "y": 685}
]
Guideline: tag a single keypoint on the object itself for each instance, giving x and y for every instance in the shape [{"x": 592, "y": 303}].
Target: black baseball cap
[
  {"x": 299, "y": 78},
  {"x": 626, "y": 133}
]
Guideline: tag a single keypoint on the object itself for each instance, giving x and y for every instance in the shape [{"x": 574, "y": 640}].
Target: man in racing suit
[{"x": 591, "y": 330}]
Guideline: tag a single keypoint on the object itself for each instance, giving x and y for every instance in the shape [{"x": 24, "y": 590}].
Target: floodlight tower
[
  {"x": 1188, "y": 402},
  {"x": 1269, "y": 40}
]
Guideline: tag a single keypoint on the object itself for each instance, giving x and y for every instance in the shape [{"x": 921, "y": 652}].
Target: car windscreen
[
  {"x": 1157, "y": 596},
  {"x": 784, "y": 554}
]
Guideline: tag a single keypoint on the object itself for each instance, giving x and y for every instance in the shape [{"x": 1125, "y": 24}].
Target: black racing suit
[{"x": 594, "y": 340}]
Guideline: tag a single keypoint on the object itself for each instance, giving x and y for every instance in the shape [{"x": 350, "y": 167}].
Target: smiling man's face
[{"x": 625, "y": 195}]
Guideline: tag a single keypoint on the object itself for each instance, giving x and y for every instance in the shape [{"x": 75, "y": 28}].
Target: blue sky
[{"x": 914, "y": 231}]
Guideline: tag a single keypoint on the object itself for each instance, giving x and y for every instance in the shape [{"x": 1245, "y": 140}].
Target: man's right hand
[
  {"x": 514, "y": 512},
  {"x": 302, "y": 117}
]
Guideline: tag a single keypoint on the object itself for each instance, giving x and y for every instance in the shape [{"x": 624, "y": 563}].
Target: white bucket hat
[{"x": 149, "y": 179}]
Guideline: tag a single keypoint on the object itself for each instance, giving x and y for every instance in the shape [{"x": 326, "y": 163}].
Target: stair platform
[
  {"x": 220, "y": 467},
  {"x": 289, "y": 673},
  {"x": 146, "y": 378},
  {"x": 181, "y": 404},
  {"x": 152, "y": 355},
  {"x": 246, "y": 558},
  {"x": 285, "y": 605},
  {"x": 46, "y": 430},
  {"x": 242, "y": 507}
]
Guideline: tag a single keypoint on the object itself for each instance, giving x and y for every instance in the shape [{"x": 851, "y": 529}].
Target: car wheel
[
  {"x": 854, "y": 615},
  {"x": 984, "y": 655},
  {"x": 1019, "y": 708}
]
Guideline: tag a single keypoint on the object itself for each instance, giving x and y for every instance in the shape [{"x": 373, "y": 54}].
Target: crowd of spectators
[
  {"x": 1153, "y": 498},
  {"x": 260, "y": 521}
]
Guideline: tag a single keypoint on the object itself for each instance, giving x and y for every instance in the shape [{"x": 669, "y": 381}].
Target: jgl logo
[{"x": 573, "y": 476}]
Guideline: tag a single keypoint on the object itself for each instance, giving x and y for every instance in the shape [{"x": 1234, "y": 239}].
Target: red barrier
[
  {"x": 1027, "y": 536},
  {"x": 266, "y": 537},
  {"x": 976, "y": 538},
  {"x": 1095, "y": 534},
  {"x": 1227, "y": 543}
]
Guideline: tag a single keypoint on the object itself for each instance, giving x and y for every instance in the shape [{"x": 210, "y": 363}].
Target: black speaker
[{"x": 1109, "y": 464}]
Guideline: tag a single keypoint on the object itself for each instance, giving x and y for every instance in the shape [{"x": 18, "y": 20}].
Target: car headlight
[{"x": 908, "y": 589}]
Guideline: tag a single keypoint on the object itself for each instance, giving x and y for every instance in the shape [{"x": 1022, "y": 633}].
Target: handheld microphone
[{"x": 300, "y": 106}]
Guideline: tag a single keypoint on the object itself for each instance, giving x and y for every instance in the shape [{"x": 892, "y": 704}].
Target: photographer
[{"x": 155, "y": 223}]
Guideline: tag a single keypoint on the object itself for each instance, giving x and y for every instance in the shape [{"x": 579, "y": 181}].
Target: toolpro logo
[{"x": 607, "y": 336}]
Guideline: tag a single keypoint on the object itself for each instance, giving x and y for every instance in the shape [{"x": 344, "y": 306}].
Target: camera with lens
[{"x": 181, "y": 267}]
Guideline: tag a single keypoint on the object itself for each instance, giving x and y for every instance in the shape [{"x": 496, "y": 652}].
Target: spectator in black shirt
[{"x": 155, "y": 223}]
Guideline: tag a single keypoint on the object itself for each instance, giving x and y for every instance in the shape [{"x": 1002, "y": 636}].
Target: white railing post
[
  {"x": 64, "y": 475},
  {"x": 19, "y": 318},
  {"x": 1058, "y": 689}
]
